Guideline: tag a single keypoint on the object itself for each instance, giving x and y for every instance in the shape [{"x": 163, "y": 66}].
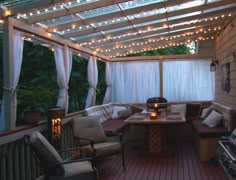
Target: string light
[
  {"x": 164, "y": 46},
  {"x": 150, "y": 41}
]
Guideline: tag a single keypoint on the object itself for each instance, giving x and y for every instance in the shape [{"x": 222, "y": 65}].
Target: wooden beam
[
  {"x": 146, "y": 39},
  {"x": 41, "y": 33},
  {"x": 164, "y": 57},
  {"x": 152, "y": 18},
  {"x": 156, "y": 25},
  {"x": 29, "y": 6},
  {"x": 72, "y": 10},
  {"x": 157, "y": 34},
  {"x": 132, "y": 50},
  {"x": 112, "y": 15}
]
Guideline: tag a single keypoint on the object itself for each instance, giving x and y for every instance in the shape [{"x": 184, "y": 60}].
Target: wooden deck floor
[{"x": 179, "y": 163}]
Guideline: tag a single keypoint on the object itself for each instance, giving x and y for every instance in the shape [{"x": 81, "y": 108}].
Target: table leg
[{"x": 155, "y": 139}]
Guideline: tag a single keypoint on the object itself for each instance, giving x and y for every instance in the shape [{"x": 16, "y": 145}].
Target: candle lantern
[
  {"x": 54, "y": 125},
  {"x": 156, "y": 106}
]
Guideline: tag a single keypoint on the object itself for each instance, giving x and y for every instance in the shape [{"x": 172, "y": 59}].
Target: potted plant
[{"x": 35, "y": 101}]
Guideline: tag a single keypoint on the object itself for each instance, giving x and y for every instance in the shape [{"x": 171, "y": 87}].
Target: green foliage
[
  {"x": 101, "y": 86},
  {"x": 37, "y": 88},
  {"x": 182, "y": 49},
  {"x": 78, "y": 84}
]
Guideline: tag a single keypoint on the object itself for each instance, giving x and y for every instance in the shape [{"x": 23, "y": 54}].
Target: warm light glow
[
  {"x": 7, "y": 13},
  {"x": 1, "y": 21},
  {"x": 153, "y": 115}
]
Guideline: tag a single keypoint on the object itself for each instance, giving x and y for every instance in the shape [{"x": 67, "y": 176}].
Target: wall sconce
[
  {"x": 54, "y": 125},
  {"x": 213, "y": 65}
]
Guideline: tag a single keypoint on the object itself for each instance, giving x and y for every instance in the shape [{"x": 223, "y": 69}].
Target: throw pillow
[
  {"x": 213, "y": 119},
  {"x": 124, "y": 113},
  {"x": 205, "y": 112},
  {"x": 178, "y": 108},
  {"x": 115, "y": 111},
  {"x": 135, "y": 109}
]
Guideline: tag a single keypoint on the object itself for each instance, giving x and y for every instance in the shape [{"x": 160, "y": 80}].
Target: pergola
[
  {"x": 115, "y": 28},
  {"x": 111, "y": 29}
]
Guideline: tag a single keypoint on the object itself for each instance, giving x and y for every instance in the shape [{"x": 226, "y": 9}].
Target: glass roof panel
[
  {"x": 110, "y": 21},
  {"x": 88, "y": 36},
  {"x": 61, "y": 20},
  {"x": 185, "y": 5},
  {"x": 12, "y": 3},
  {"x": 99, "y": 11},
  {"x": 219, "y": 8},
  {"x": 184, "y": 15},
  {"x": 118, "y": 29},
  {"x": 137, "y": 3},
  {"x": 150, "y": 23},
  {"x": 147, "y": 13}
]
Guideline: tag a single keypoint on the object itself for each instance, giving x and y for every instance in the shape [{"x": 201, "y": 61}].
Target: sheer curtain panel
[
  {"x": 107, "y": 97},
  {"x": 63, "y": 61},
  {"x": 92, "y": 74},
  {"x": 18, "y": 44},
  {"x": 135, "y": 81},
  {"x": 186, "y": 80}
]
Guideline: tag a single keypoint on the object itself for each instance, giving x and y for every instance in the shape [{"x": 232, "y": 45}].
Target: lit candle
[
  {"x": 156, "y": 105},
  {"x": 153, "y": 115}
]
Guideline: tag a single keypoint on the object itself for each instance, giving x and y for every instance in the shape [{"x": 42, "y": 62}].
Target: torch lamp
[{"x": 54, "y": 125}]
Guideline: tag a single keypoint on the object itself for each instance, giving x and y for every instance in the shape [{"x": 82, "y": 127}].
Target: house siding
[{"x": 225, "y": 48}]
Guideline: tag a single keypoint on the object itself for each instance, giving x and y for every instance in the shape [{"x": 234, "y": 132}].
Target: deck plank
[{"x": 181, "y": 162}]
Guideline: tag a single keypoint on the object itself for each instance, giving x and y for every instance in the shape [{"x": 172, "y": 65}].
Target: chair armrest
[
  {"x": 86, "y": 139},
  {"x": 91, "y": 160},
  {"x": 110, "y": 134},
  {"x": 70, "y": 149}
]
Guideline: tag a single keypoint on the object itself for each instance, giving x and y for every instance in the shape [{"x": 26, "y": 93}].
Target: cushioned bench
[
  {"x": 206, "y": 137},
  {"x": 109, "y": 117}
]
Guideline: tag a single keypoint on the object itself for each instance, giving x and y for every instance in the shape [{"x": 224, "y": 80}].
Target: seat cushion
[
  {"x": 114, "y": 125},
  {"x": 178, "y": 108},
  {"x": 116, "y": 109},
  {"x": 213, "y": 119},
  {"x": 107, "y": 148},
  {"x": 46, "y": 153},
  {"x": 205, "y": 131},
  {"x": 88, "y": 126},
  {"x": 77, "y": 170}
]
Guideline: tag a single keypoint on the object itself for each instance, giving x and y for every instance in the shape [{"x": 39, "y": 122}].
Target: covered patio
[{"x": 117, "y": 32}]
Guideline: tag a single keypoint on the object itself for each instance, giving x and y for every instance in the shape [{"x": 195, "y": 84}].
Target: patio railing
[{"x": 17, "y": 162}]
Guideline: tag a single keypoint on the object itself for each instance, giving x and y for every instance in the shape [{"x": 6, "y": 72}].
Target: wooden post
[
  {"x": 8, "y": 121},
  {"x": 161, "y": 77}
]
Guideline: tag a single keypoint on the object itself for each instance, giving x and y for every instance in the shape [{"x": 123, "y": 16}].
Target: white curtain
[
  {"x": 92, "y": 73},
  {"x": 107, "y": 97},
  {"x": 63, "y": 61},
  {"x": 135, "y": 81},
  {"x": 188, "y": 80},
  {"x": 18, "y": 44}
]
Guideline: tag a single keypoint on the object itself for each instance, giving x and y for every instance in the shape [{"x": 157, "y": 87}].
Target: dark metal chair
[
  {"x": 88, "y": 133},
  {"x": 54, "y": 168}
]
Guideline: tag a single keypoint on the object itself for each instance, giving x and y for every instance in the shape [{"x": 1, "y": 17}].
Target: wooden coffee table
[{"x": 155, "y": 135}]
